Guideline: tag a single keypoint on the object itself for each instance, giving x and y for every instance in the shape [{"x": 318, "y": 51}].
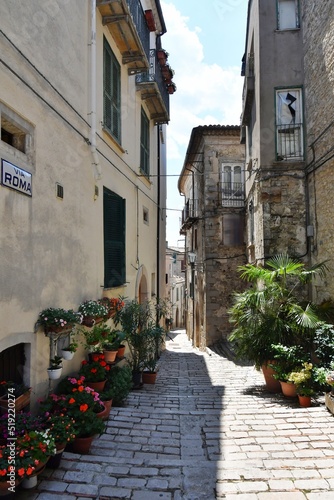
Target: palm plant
[{"x": 271, "y": 310}]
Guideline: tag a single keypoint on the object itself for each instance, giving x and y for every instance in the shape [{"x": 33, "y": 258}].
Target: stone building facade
[
  {"x": 318, "y": 42},
  {"x": 83, "y": 113},
  {"x": 212, "y": 181},
  {"x": 273, "y": 131}
]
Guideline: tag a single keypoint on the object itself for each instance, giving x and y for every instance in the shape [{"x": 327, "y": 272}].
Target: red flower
[
  {"x": 84, "y": 407},
  {"x": 84, "y": 362},
  {"x": 3, "y": 472},
  {"x": 95, "y": 357},
  {"x": 103, "y": 363},
  {"x": 93, "y": 370},
  {"x": 71, "y": 401},
  {"x": 29, "y": 471},
  {"x": 81, "y": 388}
]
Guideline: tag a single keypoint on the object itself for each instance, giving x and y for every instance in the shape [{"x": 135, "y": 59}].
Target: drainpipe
[
  {"x": 95, "y": 162},
  {"x": 158, "y": 216}
]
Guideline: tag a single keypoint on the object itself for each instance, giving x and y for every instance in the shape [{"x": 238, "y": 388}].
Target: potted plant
[
  {"x": 55, "y": 320},
  {"x": 82, "y": 406},
  {"x": 271, "y": 311},
  {"x": 112, "y": 305},
  {"x": 111, "y": 344},
  {"x": 95, "y": 371},
  {"x": 162, "y": 56},
  {"x": 39, "y": 446},
  {"x": 93, "y": 312},
  {"x": 171, "y": 88},
  {"x": 55, "y": 368},
  {"x": 150, "y": 370},
  {"x": 119, "y": 384},
  {"x": 13, "y": 392},
  {"x": 95, "y": 336},
  {"x": 68, "y": 352},
  {"x": 303, "y": 380}
]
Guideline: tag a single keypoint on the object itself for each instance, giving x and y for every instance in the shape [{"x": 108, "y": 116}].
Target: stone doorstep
[{"x": 329, "y": 402}]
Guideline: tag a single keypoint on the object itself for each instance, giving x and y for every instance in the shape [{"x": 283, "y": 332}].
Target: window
[
  {"x": 144, "y": 144},
  {"x": 232, "y": 185},
  {"x": 289, "y": 124},
  {"x": 16, "y": 131},
  {"x": 233, "y": 229},
  {"x": 114, "y": 239},
  {"x": 287, "y": 14},
  {"x": 111, "y": 93}
]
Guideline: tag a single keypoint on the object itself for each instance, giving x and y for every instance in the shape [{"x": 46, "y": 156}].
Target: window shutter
[
  {"x": 144, "y": 144},
  {"x": 114, "y": 239},
  {"x": 107, "y": 103},
  {"x": 111, "y": 93}
]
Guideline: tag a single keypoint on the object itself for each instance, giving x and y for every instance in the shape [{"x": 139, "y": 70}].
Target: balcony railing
[
  {"x": 190, "y": 214},
  {"x": 154, "y": 90},
  {"x": 232, "y": 194},
  {"x": 127, "y": 24},
  {"x": 289, "y": 141}
]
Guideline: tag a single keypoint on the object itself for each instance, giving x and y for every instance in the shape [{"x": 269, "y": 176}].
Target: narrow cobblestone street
[{"x": 206, "y": 430}]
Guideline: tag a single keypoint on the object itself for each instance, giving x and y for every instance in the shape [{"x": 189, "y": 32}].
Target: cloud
[
  {"x": 204, "y": 91},
  {"x": 207, "y": 94}
]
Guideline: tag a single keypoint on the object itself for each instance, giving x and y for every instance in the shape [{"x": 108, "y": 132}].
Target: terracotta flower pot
[
  {"x": 288, "y": 389},
  {"x": 149, "y": 377},
  {"x": 121, "y": 351},
  {"x": 97, "y": 386},
  {"x": 82, "y": 445},
  {"x": 110, "y": 356},
  {"x": 272, "y": 384},
  {"x": 304, "y": 401}
]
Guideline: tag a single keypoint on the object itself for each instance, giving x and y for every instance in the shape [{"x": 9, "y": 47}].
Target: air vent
[{"x": 59, "y": 191}]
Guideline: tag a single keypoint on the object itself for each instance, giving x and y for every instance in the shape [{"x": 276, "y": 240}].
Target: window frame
[
  {"x": 297, "y": 15},
  {"x": 114, "y": 235},
  {"x": 296, "y": 123},
  {"x": 234, "y": 193},
  {"x": 111, "y": 93},
  {"x": 144, "y": 143}
]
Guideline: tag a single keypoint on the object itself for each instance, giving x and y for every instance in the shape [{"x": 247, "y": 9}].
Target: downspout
[
  {"x": 158, "y": 218},
  {"x": 95, "y": 162}
]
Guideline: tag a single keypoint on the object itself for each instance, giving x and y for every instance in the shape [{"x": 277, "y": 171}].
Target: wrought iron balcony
[
  {"x": 153, "y": 90},
  {"x": 290, "y": 141},
  {"x": 248, "y": 91},
  {"x": 232, "y": 194},
  {"x": 127, "y": 24},
  {"x": 190, "y": 214}
]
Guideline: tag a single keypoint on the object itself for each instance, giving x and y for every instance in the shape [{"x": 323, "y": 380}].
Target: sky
[{"x": 205, "y": 42}]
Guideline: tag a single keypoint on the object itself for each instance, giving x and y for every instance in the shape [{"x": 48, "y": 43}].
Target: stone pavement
[{"x": 206, "y": 430}]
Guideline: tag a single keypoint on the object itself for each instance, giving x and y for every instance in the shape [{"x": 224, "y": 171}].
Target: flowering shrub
[
  {"x": 57, "y": 317},
  {"x": 61, "y": 427},
  {"x": 303, "y": 380},
  {"x": 113, "y": 305},
  {"x": 96, "y": 370},
  {"x": 82, "y": 405},
  {"x": 93, "y": 309},
  {"x": 20, "y": 464},
  {"x": 39, "y": 445},
  {"x": 24, "y": 422}
]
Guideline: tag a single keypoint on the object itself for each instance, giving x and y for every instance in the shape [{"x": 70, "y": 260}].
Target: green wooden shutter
[
  {"x": 111, "y": 92},
  {"x": 114, "y": 239},
  {"x": 144, "y": 144}
]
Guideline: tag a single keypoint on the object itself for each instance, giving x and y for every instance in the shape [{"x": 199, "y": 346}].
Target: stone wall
[{"x": 318, "y": 34}]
